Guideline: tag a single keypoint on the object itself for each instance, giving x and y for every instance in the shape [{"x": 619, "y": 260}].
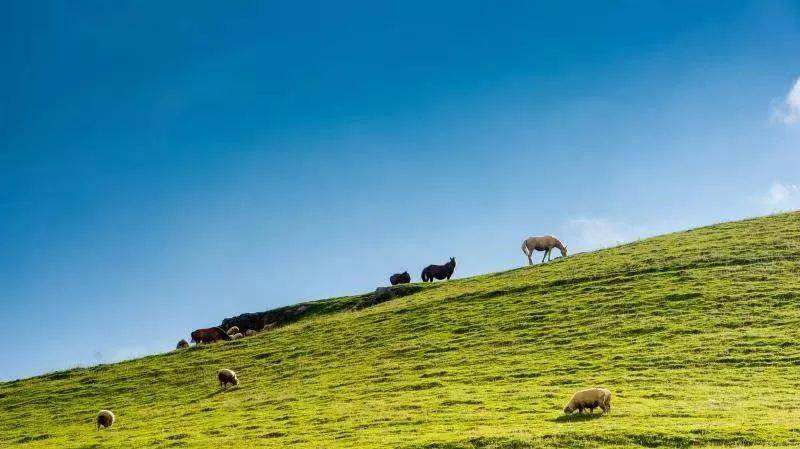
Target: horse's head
[
  {"x": 453, "y": 261},
  {"x": 563, "y": 251}
]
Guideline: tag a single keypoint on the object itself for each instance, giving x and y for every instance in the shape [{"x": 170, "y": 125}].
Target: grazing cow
[
  {"x": 225, "y": 377},
  {"x": 209, "y": 335},
  {"x": 439, "y": 271},
  {"x": 545, "y": 243},
  {"x": 105, "y": 419},
  {"x": 400, "y": 278},
  {"x": 589, "y": 399}
]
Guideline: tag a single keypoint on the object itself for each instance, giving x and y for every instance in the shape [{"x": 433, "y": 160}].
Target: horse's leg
[
  {"x": 549, "y": 254},
  {"x": 544, "y": 255}
]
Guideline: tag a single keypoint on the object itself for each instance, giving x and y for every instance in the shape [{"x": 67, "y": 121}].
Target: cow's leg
[{"x": 544, "y": 255}]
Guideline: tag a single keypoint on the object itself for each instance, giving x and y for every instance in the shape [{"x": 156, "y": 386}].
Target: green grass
[{"x": 696, "y": 333}]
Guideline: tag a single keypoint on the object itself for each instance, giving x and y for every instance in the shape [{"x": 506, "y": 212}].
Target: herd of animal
[
  {"x": 583, "y": 400},
  {"x": 544, "y": 243},
  {"x": 430, "y": 273}
]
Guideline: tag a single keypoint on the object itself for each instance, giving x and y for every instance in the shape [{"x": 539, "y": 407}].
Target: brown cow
[{"x": 209, "y": 335}]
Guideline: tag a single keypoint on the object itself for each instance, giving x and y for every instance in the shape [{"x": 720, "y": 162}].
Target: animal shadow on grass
[
  {"x": 578, "y": 417},
  {"x": 216, "y": 392}
]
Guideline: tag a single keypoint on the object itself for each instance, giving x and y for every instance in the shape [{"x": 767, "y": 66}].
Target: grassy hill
[{"x": 696, "y": 333}]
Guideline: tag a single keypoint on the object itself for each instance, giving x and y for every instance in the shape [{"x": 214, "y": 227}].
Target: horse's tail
[{"x": 525, "y": 248}]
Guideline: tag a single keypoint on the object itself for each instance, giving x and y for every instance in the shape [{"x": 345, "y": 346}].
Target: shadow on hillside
[
  {"x": 216, "y": 392},
  {"x": 577, "y": 417}
]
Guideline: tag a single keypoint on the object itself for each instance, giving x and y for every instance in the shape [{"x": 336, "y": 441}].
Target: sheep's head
[
  {"x": 235, "y": 380},
  {"x": 569, "y": 409}
]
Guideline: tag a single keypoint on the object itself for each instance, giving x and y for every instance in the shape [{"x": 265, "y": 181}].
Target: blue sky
[{"x": 164, "y": 166}]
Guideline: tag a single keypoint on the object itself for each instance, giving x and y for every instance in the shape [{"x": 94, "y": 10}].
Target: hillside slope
[{"x": 696, "y": 333}]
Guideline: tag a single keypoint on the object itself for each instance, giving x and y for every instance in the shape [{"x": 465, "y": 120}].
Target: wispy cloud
[
  {"x": 593, "y": 233},
  {"x": 780, "y": 197},
  {"x": 787, "y": 111}
]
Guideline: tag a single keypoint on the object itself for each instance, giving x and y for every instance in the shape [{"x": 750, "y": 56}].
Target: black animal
[
  {"x": 439, "y": 271},
  {"x": 400, "y": 278}
]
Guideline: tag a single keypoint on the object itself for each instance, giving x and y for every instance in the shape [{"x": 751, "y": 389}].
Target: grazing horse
[
  {"x": 439, "y": 271},
  {"x": 209, "y": 335},
  {"x": 400, "y": 278},
  {"x": 545, "y": 243}
]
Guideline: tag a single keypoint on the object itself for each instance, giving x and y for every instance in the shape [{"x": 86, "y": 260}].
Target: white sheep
[
  {"x": 233, "y": 330},
  {"x": 105, "y": 419},
  {"x": 589, "y": 399},
  {"x": 226, "y": 377}
]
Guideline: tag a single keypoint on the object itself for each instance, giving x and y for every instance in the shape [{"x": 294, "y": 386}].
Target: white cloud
[
  {"x": 593, "y": 233},
  {"x": 780, "y": 197},
  {"x": 788, "y": 110}
]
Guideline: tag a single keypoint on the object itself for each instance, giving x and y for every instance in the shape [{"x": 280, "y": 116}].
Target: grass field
[{"x": 697, "y": 334}]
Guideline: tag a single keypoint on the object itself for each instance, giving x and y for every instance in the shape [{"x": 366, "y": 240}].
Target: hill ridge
[{"x": 695, "y": 333}]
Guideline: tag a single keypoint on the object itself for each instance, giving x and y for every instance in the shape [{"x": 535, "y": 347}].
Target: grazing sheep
[
  {"x": 226, "y": 377},
  {"x": 182, "y": 344},
  {"x": 269, "y": 327},
  {"x": 105, "y": 419},
  {"x": 589, "y": 399},
  {"x": 249, "y": 333},
  {"x": 233, "y": 330},
  {"x": 236, "y": 336}
]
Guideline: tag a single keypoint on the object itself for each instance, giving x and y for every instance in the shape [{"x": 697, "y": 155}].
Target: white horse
[{"x": 544, "y": 243}]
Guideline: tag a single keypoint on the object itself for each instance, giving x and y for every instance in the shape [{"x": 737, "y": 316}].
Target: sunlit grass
[{"x": 696, "y": 333}]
